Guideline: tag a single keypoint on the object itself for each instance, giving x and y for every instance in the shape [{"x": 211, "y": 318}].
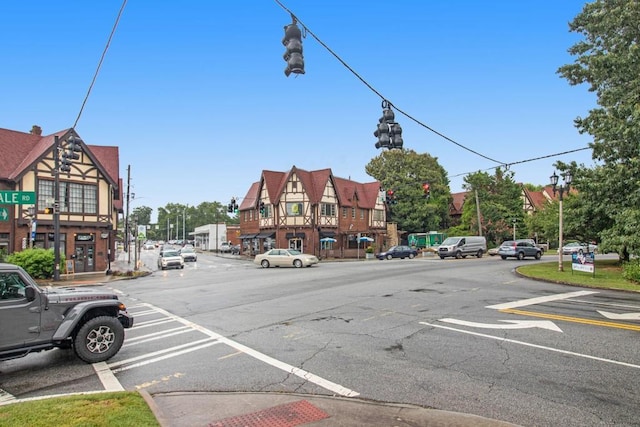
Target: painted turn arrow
[
  {"x": 620, "y": 316},
  {"x": 510, "y": 324}
]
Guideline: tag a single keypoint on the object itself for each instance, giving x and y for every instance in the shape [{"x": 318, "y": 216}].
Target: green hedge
[{"x": 37, "y": 262}]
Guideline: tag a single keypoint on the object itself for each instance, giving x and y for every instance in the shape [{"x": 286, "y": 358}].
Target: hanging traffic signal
[
  {"x": 426, "y": 189},
  {"x": 48, "y": 210},
  {"x": 388, "y": 132},
  {"x": 230, "y": 208},
  {"x": 293, "y": 55},
  {"x": 262, "y": 209}
]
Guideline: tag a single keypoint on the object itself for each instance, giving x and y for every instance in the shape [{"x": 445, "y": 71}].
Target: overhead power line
[
  {"x": 104, "y": 53},
  {"x": 407, "y": 115}
]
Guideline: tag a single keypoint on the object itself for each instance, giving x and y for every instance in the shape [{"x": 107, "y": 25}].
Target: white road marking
[
  {"x": 539, "y": 300},
  {"x": 6, "y": 397},
  {"x": 308, "y": 376},
  {"x": 509, "y": 324},
  {"x": 107, "y": 378},
  {"x": 620, "y": 316},
  {"x": 166, "y": 356},
  {"x": 156, "y": 353},
  {"x": 542, "y": 347}
]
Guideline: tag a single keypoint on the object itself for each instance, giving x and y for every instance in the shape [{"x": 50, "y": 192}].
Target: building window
[
  {"x": 361, "y": 213},
  {"x": 328, "y": 209},
  {"x": 344, "y": 212},
  {"x": 74, "y": 198},
  {"x": 353, "y": 213},
  {"x": 378, "y": 215},
  {"x": 268, "y": 209},
  {"x": 294, "y": 186},
  {"x": 294, "y": 209}
]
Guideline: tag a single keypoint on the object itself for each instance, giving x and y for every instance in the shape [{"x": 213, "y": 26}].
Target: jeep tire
[{"x": 99, "y": 339}]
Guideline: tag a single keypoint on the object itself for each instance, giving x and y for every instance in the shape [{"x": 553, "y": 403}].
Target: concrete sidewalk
[{"x": 291, "y": 409}]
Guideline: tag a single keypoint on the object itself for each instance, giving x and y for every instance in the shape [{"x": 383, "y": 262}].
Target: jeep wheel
[{"x": 99, "y": 339}]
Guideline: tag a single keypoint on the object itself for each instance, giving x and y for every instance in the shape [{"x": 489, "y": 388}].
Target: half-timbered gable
[
  {"x": 312, "y": 211},
  {"x": 88, "y": 202}
]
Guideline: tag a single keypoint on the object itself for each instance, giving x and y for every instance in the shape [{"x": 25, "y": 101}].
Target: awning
[
  {"x": 266, "y": 234},
  {"x": 295, "y": 235},
  {"x": 247, "y": 236},
  {"x": 327, "y": 234}
]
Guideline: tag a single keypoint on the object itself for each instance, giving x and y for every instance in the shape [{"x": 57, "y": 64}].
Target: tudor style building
[
  {"x": 90, "y": 197},
  {"x": 314, "y": 212}
]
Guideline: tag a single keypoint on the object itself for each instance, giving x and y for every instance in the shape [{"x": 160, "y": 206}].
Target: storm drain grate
[{"x": 287, "y": 415}]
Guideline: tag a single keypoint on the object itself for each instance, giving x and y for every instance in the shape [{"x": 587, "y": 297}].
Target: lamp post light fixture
[{"x": 560, "y": 190}]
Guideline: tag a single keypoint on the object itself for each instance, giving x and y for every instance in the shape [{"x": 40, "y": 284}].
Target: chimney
[{"x": 36, "y": 130}]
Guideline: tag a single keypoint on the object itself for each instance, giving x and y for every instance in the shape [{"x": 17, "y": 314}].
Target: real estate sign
[{"x": 583, "y": 262}]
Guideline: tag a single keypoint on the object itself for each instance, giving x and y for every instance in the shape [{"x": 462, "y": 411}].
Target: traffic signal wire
[
  {"x": 407, "y": 115},
  {"x": 104, "y": 53}
]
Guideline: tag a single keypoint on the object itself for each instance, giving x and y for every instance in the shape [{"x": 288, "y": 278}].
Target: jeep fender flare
[{"x": 75, "y": 315}]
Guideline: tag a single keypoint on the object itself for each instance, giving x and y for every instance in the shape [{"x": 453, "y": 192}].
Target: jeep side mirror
[{"x": 30, "y": 293}]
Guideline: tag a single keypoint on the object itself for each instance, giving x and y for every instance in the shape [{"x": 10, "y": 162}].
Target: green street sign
[
  {"x": 17, "y": 197},
  {"x": 4, "y": 214}
]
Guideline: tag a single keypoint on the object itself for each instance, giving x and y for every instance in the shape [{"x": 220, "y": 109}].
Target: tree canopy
[
  {"x": 404, "y": 172},
  {"x": 608, "y": 61}
]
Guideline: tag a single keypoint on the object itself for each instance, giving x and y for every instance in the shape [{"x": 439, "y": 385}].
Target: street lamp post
[
  {"x": 560, "y": 190},
  {"x": 31, "y": 214}
]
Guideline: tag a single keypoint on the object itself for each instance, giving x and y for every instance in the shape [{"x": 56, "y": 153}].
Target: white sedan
[{"x": 285, "y": 258}]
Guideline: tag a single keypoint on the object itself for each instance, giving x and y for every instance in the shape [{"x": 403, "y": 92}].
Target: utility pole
[
  {"x": 56, "y": 209},
  {"x": 126, "y": 218},
  {"x": 478, "y": 213}
]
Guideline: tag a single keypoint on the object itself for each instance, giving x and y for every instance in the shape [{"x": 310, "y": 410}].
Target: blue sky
[{"x": 195, "y": 96}]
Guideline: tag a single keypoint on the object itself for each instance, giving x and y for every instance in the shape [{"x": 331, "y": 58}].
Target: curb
[{"x": 155, "y": 409}]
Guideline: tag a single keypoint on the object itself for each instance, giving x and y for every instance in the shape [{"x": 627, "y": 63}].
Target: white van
[{"x": 462, "y": 246}]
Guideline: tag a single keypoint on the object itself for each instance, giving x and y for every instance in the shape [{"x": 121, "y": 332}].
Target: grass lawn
[
  {"x": 121, "y": 409},
  {"x": 608, "y": 275}
]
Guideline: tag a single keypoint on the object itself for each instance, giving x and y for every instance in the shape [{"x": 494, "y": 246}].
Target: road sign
[
  {"x": 4, "y": 214},
  {"x": 17, "y": 197}
]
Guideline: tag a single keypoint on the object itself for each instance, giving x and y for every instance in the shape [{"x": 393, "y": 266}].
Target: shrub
[
  {"x": 37, "y": 262},
  {"x": 631, "y": 270},
  {"x": 370, "y": 249}
]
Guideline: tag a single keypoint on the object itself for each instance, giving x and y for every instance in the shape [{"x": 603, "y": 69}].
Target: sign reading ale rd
[{"x": 17, "y": 197}]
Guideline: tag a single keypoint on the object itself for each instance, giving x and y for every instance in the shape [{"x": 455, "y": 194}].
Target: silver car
[
  {"x": 170, "y": 258},
  {"x": 285, "y": 258},
  {"x": 519, "y": 249}
]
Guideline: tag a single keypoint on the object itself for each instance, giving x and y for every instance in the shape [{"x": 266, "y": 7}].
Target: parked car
[
  {"x": 519, "y": 249},
  {"x": 235, "y": 250},
  {"x": 579, "y": 248},
  {"x": 149, "y": 246},
  {"x": 188, "y": 254},
  {"x": 285, "y": 258},
  {"x": 225, "y": 247},
  {"x": 399, "y": 251},
  {"x": 170, "y": 258},
  {"x": 91, "y": 321}
]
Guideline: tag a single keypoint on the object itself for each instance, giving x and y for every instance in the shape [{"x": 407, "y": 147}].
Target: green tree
[
  {"x": 500, "y": 202},
  {"x": 608, "y": 61},
  {"x": 404, "y": 172}
]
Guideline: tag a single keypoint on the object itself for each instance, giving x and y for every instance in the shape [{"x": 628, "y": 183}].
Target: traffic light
[
  {"x": 73, "y": 148},
  {"x": 293, "y": 55},
  {"x": 48, "y": 210},
  {"x": 426, "y": 188},
  {"x": 233, "y": 206},
  {"x": 388, "y": 132},
  {"x": 230, "y": 208},
  {"x": 391, "y": 197},
  {"x": 262, "y": 209}
]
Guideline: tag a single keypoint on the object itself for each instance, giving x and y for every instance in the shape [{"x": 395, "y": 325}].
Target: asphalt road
[{"x": 462, "y": 335}]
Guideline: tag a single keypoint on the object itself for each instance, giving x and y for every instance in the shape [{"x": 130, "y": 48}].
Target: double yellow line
[{"x": 573, "y": 319}]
